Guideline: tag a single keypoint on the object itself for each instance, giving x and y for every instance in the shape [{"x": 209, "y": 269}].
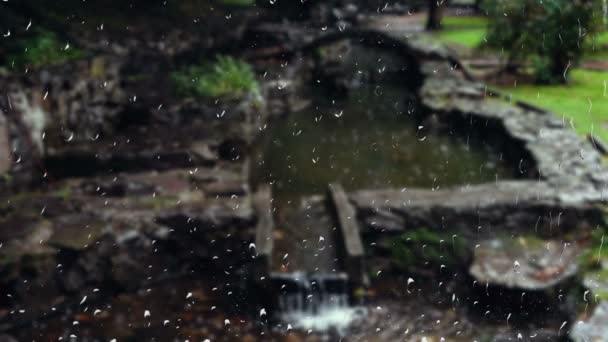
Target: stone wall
[{"x": 561, "y": 175}]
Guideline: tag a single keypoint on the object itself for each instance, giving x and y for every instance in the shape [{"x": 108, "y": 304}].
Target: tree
[
  {"x": 547, "y": 34},
  {"x": 435, "y": 14}
]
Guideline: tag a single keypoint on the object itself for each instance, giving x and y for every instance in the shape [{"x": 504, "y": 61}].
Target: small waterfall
[{"x": 317, "y": 302}]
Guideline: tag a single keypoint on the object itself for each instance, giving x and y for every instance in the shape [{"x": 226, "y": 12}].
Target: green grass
[
  {"x": 226, "y": 77},
  {"x": 40, "y": 49},
  {"x": 593, "y": 259},
  {"x": 601, "y": 38},
  {"x": 468, "y": 31},
  {"x": 471, "y": 38},
  {"x": 427, "y": 245},
  {"x": 583, "y": 100},
  {"x": 464, "y": 22},
  {"x": 597, "y": 54},
  {"x": 597, "y": 47},
  {"x": 597, "y": 252}
]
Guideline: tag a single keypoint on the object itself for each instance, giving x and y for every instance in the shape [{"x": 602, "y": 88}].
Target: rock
[
  {"x": 129, "y": 268},
  {"x": 7, "y": 338},
  {"x": 597, "y": 283},
  {"x": 516, "y": 207},
  {"x": 524, "y": 263},
  {"x": 33, "y": 117},
  {"x": 232, "y": 149},
  {"x": 5, "y": 148},
  {"x": 118, "y": 188},
  {"x": 76, "y": 232},
  {"x": 598, "y": 144},
  {"x": 27, "y": 240},
  {"x": 593, "y": 330},
  {"x": 526, "y": 279}
]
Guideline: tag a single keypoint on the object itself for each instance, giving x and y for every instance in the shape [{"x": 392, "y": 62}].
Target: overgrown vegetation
[
  {"x": 550, "y": 34},
  {"x": 226, "y": 77},
  {"x": 429, "y": 247},
  {"x": 40, "y": 49},
  {"x": 596, "y": 253},
  {"x": 594, "y": 261}
]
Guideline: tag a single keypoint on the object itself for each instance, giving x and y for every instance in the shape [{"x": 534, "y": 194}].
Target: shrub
[
  {"x": 225, "y": 78},
  {"x": 550, "y": 33},
  {"x": 598, "y": 250},
  {"x": 40, "y": 49},
  {"x": 426, "y": 246}
]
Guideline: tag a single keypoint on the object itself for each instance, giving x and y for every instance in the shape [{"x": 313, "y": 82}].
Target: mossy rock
[
  {"x": 27, "y": 242},
  {"x": 76, "y": 232},
  {"x": 525, "y": 262},
  {"x": 426, "y": 246},
  {"x": 597, "y": 283}
]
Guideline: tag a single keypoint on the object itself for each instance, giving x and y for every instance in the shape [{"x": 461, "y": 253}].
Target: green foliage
[
  {"x": 543, "y": 70},
  {"x": 594, "y": 259},
  {"x": 460, "y": 22},
  {"x": 40, "y": 49},
  {"x": 225, "y": 78},
  {"x": 65, "y": 193},
  {"x": 471, "y": 37},
  {"x": 466, "y": 31},
  {"x": 550, "y": 31},
  {"x": 598, "y": 251},
  {"x": 423, "y": 245}
]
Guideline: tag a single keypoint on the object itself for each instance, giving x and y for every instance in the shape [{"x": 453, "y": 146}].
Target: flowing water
[{"x": 316, "y": 302}]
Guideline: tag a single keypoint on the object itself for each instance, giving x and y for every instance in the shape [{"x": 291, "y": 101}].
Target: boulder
[
  {"x": 524, "y": 263},
  {"x": 594, "y": 329},
  {"x": 5, "y": 148},
  {"x": 597, "y": 283}
]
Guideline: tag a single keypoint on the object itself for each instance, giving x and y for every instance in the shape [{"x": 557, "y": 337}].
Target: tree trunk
[
  {"x": 435, "y": 14},
  {"x": 560, "y": 68},
  {"x": 477, "y": 6}
]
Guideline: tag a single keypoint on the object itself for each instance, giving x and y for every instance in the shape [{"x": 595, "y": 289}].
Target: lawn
[
  {"x": 464, "y": 22},
  {"x": 584, "y": 100},
  {"x": 597, "y": 47},
  {"x": 470, "y": 37},
  {"x": 601, "y": 39},
  {"x": 468, "y": 31}
]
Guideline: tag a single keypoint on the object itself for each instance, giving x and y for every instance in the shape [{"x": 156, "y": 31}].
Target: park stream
[
  {"x": 372, "y": 136},
  {"x": 370, "y": 190}
]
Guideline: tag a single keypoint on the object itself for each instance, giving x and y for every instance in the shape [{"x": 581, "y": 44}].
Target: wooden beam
[
  {"x": 349, "y": 234},
  {"x": 262, "y": 204}
]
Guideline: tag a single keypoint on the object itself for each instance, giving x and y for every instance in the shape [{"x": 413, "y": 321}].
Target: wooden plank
[
  {"x": 349, "y": 234},
  {"x": 262, "y": 204}
]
